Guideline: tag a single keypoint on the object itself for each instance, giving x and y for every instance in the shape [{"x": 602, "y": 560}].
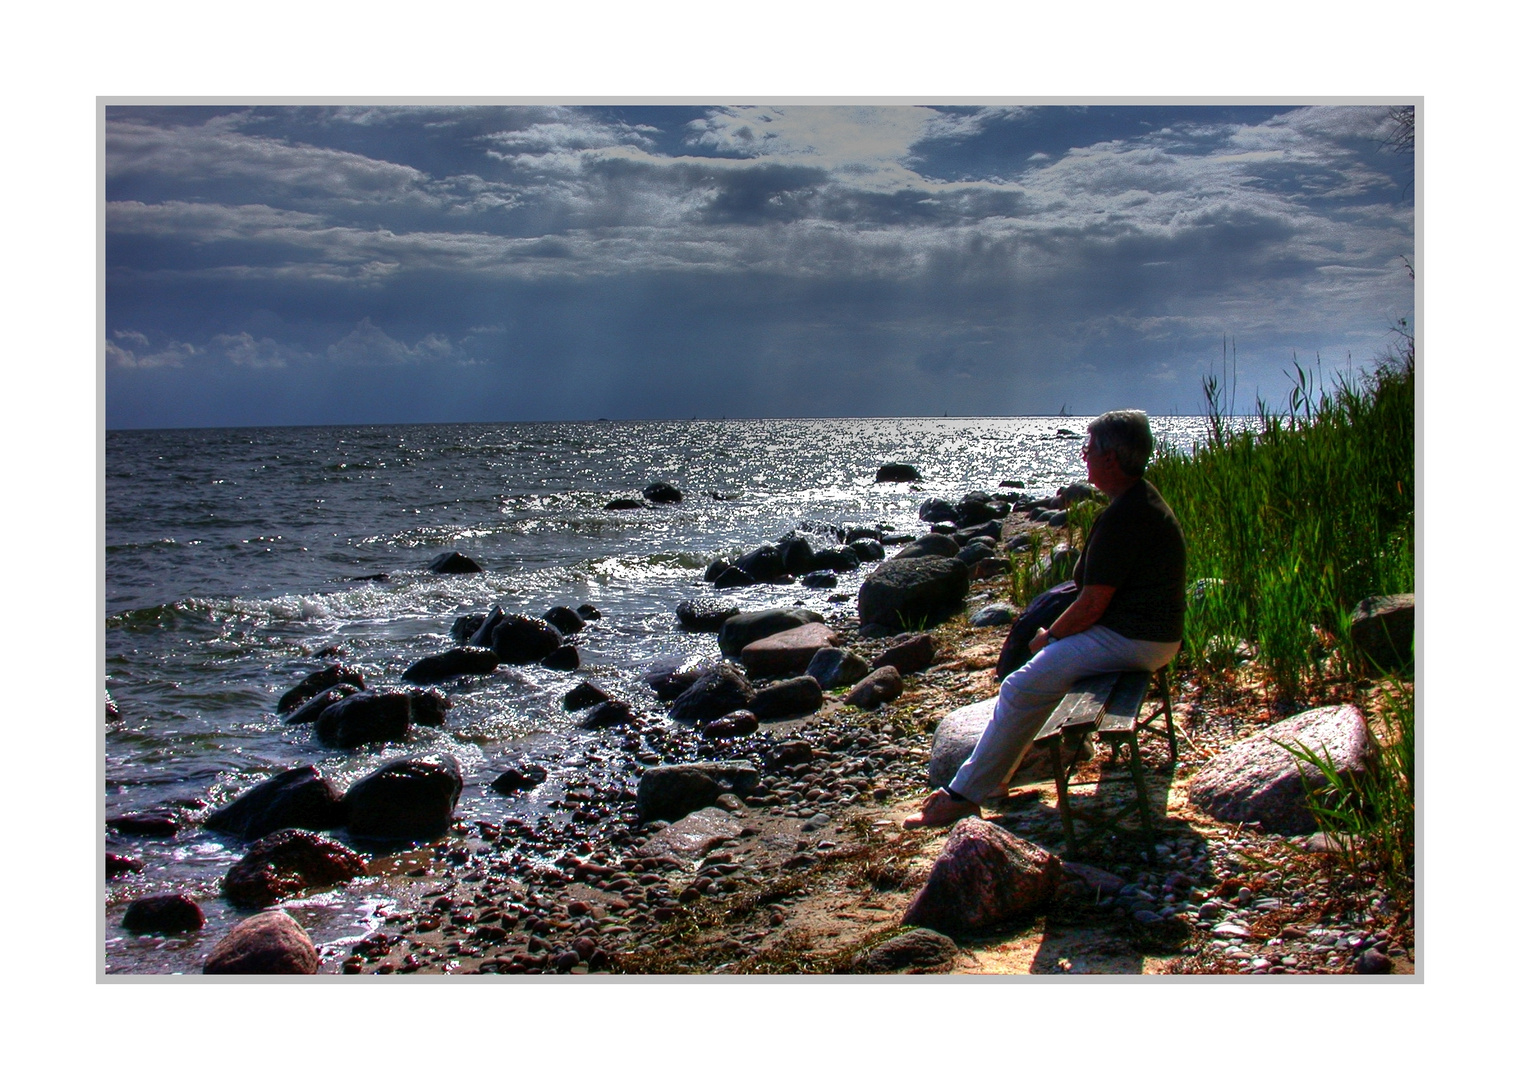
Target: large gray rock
[
  {"x": 412, "y": 798},
  {"x": 958, "y": 733},
  {"x": 1259, "y": 780},
  {"x": 834, "y": 667},
  {"x": 985, "y": 877},
  {"x": 719, "y": 690},
  {"x": 918, "y": 951},
  {"x": 670, "y": 792},
  {"x": 748, "y": 626},
  {"x": 902, "y": 594},
  {"x": 269, "y": 943},
  {"x": 787, "y": 652},
  {"x": 286, "y": 863},
  {"x": 930, "y": 544},
  {"x": 692, "y": 836},
  {"x": 876, "y": 689},
  {"x": 294, "y": 799},
  {"x": 908, "y": 653},
  {"x": 788, "y": 697},
  {"x": 1382, "y": 629}
]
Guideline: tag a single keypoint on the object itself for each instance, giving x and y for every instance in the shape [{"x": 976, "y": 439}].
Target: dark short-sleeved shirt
[{"x": 1136, "y": 546}]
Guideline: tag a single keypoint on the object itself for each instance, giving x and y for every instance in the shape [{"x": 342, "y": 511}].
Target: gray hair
[{"x": 1127, "y": 432}]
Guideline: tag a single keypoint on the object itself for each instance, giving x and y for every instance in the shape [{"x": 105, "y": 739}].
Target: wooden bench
[{"x": 1108, "y": 705}]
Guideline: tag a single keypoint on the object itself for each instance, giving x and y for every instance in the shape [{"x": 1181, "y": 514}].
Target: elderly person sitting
[{"x": 1127, "y": 616}]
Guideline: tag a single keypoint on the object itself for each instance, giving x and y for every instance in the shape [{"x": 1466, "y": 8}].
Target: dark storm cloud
[{"x": 741, "y": 261}]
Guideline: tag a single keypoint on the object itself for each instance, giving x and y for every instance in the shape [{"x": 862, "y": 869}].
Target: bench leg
[
  {"x": 1143, "y": 802},
  {"x": 1059, "y": 771},
  {"x": 1166, "y": 705}
]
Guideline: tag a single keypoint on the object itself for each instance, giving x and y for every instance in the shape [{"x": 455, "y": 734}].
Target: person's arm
[{"x": 1085, "y": 610}]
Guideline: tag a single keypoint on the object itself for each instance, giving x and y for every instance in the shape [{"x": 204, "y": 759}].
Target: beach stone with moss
[
  {"x": 919, "y": 951},
  {"x": 269, "y": 943},
  {"x": 1259, "y": 780},
  {"x": 985, "y": 877},
  {"x": 1382, "y": 629}
]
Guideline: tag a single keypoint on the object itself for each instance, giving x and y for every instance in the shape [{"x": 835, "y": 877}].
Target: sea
[{"x": 236, "y": 557}]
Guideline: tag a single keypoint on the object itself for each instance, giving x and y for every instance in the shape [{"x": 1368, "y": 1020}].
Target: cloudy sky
[{"x": 376, "y": 264}]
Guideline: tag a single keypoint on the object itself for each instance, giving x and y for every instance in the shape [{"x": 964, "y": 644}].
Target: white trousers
[{"x": 1029, "y": 695}]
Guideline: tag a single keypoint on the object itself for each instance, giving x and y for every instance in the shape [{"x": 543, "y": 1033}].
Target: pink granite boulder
[{"x": 985, "y": 877}]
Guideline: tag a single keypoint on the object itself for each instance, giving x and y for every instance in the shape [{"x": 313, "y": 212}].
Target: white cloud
[
  {"x": 368, "y": 345},
  {"x": 132, "y": 349},
  {"x": 244, "y": 350}
]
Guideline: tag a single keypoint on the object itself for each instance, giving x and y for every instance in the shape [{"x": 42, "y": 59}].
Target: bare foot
[{"x": 940, "y": 809}]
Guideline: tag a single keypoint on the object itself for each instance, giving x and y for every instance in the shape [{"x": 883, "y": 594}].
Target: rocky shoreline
[{"x": 778, "y": 847}]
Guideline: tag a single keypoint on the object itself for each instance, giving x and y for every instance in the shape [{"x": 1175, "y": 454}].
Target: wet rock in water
[
  {"x": 764, "y": 563},
  {"x": 612, "y": 713},
  {"x": 715, "y": 570},
  {"x": 796, "y": 554},
  {"x": 412, "y": 798},
  {"x": 719, "y": 690},
  {"x": 896, "y": 472},
  {"x": 933, "y": 510},
  {"x": 287, "y": 863},
  {"x": 903, "y": 592},
  {"x": 1258, "y": 780},
  {"x": 514, "y": 780},
  {"x": 868, "y": 550},
  {"x": 876, "y": 689},
  {"x": 919, "y": 951},
  {"x": 112, "y": 712},
  {"x": 1382, "y": 629},
  {"x": 994, "y": 615},
  {"x": 428, "y": 707},
  {"x": 908, "y": 654},
  {"x": 565, "y": 620},
  {"x": 1074, "y": 493},
  {"x": 173, "y": 913},
  {"x": 588, "y": 612},
  {"x": 838, "y": 559},
  {"x": 584, "y": 696},
  {"x": 749, "y": 626},
  {"x": 481, "y": 638},
  {"x": 145, "y": 823},
  {"x": 465, "y": 660},
  {"x": 564, "y": 658},
  {"x": 626, "y": 504},
  {"x": 739, "y": 722},
  {"x": 454, "y": 562},
  {"x": 820, "y": 579},
  {"x": 984, "y": 877},
  {"x": 318, "y": 681},
  {"x": 941, "y": 545},
  {"x": 835, "y": 667},
  {"x": 661, "y": 492},
  {"x": 522, "y": 639},
  {"x": 370, "y": 716},
  {"x": 734, "y": 578},
  {"x": 671, "y": 676},
  {"x": 704, "y": 614},
  {"x": 116, "y": 865},
  {"x": 269, "y": 943},
  {"x": 789, "y": 697},
  {"x": 670, "y": 792},
  {"x": 297, "y": 798},
  {"x": 787, "y": 652},
  {"x": 465, "y": 626},
  {"x": 314, "y": 707}
]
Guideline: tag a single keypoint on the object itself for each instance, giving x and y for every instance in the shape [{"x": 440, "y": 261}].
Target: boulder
[
  {"x": 936, "y": 510},
  {"x": 670, "y": 792},
  {"x": 908, "y": 653},
  {"x": 868, "y": 550},
  {"x": 787, "y": 652},
  {"x": 453, "y": 562},
  {"x": 834, "y": 667},
  {"x": 734, "y": 578},
  {"x": 692, "y": 836},
  {"x": 836, "y": 559},
  {"x": 715, "y": 570},
  {"x": 564, "y": 658},
  {"x": 901, "y": 593},
  {"x": 565, "y": 620},
  {"x": 522, "y": 639},
  {"x": 788, "y": 697},
  {"x": 661, "y": 492},
  {"x": 739, "y": 722},
  {"x": 820, "y": 579},
  {"x": 116, "y": 865},
  {"x": 671, "y": 676},
  {"x": 1382, "y": 629},
  {"x": 370, "y": 716},
  {"x": 428, "y": 707},
  {"x": 174, "y": 913},
  {"x": 412, "y": 798},
  {"x": 611, "y": 713},
  {"x": 791, "y": 752},
  {"x": 934, "y": 543},
  {"x": 524, "y": 779},
  {"x": 318, "y": 681},
  {"x": 984, "y": 877},
  {"x": 287, "y": 863},
  {"x": 896, "y": 472},
  {"x": 269, "y": 943},
  {"x": 464, "y": 627},
  {"x": 1074, "y": 493},
  {"x": 994, "y": 615},
  {"x": 465, "y": 660},
  {"x": 974, "y": 509},
  {"x": 876, "y": 689},
  {"x": 956, "y": 737},
  {"x": 588, "y": 612},
  {"x": 626, "y": 504},
  {"x": 145, "y": 823},
  {"x": 314, "y": 707},
  {"x": 294, "y": 799},
  {"x": 584, "y": 696},
  {"x": 481, "y": 638},
  {"x": 740, "y": 630},
  {"x": 704, "y": 614},
  {"x": 719, "y": 690},
  {"x": 762, "y": 564},
  {"x": 915, "y": 952},
  {"x": 1258, "y": 780},
  {"x": 796, "y": 554}
]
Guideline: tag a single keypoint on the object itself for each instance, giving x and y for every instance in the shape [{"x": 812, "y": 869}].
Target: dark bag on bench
[{"x": 1042, "y": 611}]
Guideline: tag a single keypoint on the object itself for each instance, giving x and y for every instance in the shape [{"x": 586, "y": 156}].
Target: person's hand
[{"x": 1040, "y": 640}]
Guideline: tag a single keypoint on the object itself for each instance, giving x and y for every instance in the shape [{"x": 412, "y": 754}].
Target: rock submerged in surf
[
  {"x": 661, "y": 492},
  {"x": 308, "y": 713},
  {"x": 318, "y": 681},
  {"x": 407, "y": 799},
  {"x": 297, "y": 798},
  {"x": 454, "y": 562},
  {"x": 565, "y": 620},
  {"x": 370, "y": 716},
  {"x": 465, "y": 660},
  {"x": 896, "y": 472},
  {"x": 522, "y": 639}
]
